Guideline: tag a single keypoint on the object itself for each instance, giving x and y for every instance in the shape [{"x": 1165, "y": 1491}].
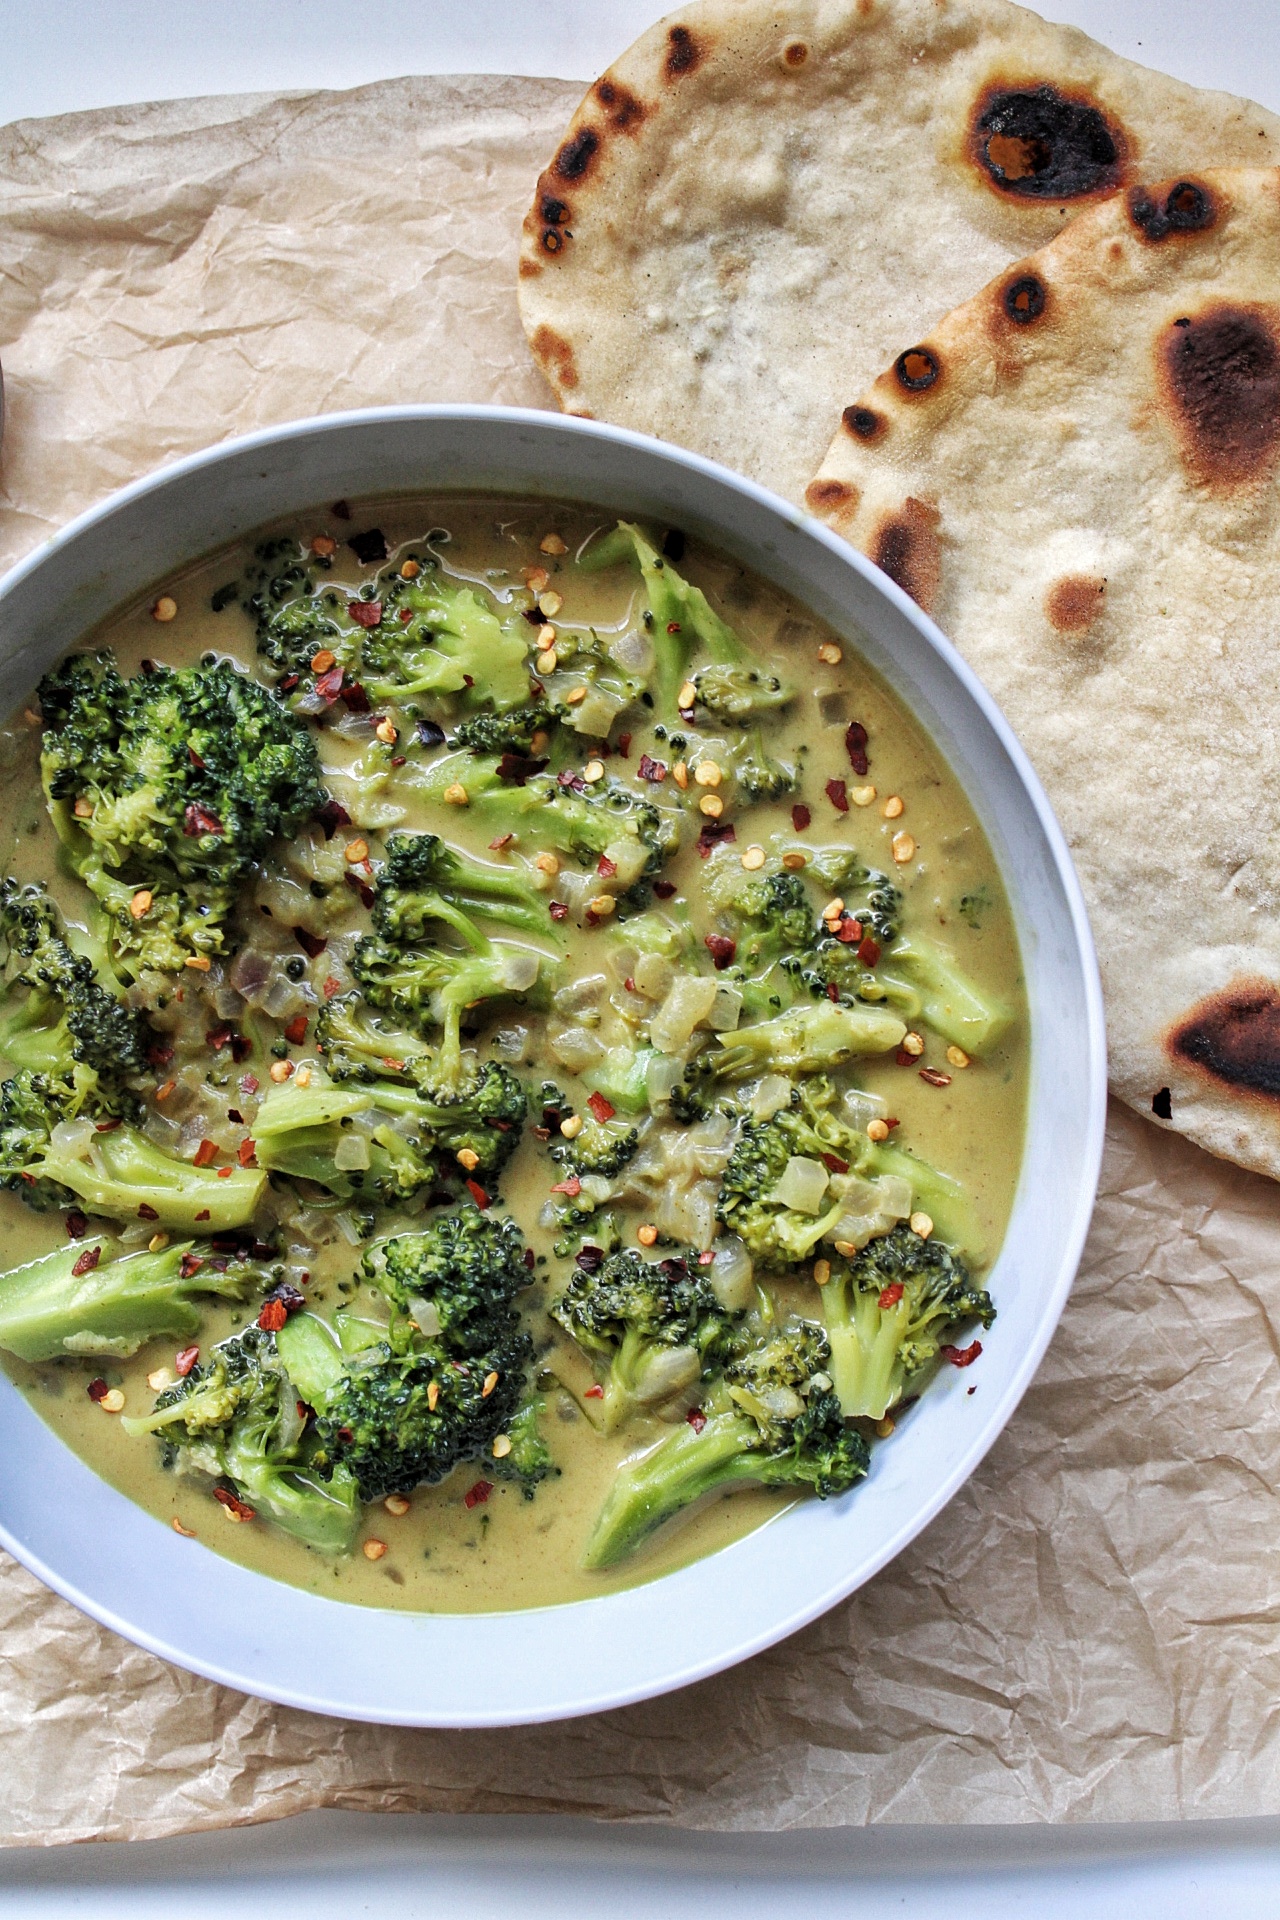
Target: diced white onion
[
  {"x": 726, "y": 1009},
  {"x": 351, "y": 1152},
  {"x": 802, "y": 1186},
  {"x": 770, "y": 1096},
  {"x": 653, "y": 974},
  {"x": 731, "y": 1274},
  {"x": 690, "y": 1000},
  {"x": 576, "y": 1049},
  {"x": 521, "y": 966}
]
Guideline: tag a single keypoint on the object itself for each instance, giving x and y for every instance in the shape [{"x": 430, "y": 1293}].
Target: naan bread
[
  {"x": 763, "y": 199},
  {"x": 1076, "y": 474}
]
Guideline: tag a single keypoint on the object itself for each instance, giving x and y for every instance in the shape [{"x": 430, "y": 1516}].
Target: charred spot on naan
[
  {"x": 622, "y": 109},
  {"x": 1073, "y": 603},
  {"x": 555, "y": 356},
  {"x": 547, "y": 223},
  {"x": 1036, "y": 142},
  {"x": 834, "y": 500},
  {"x": 1219, "y": 373},
  {"x": 917, "y": 370},
  {"x": 1023, "y": 299},
  {"x": 794, "y": 54},
  {"x": 1233, "y": 1038},
  {"x": 864, "y": 423},
  {"x": 1186, "y": 206},
  {"x": 684, "y": 52},
  {"x": 905, "y": 546}
]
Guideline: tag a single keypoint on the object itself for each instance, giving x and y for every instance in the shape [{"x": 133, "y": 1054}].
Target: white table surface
[{"x": 63, "y": 55}]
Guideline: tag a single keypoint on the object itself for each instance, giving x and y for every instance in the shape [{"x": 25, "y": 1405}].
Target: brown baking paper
[{"x": 1091, "y": 1630}]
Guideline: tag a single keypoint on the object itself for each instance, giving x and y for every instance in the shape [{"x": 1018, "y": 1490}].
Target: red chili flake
[
  {"x": 502, "y": 842},
  {"x": 704, "y": 1258},
  {"x": 405, "y": 615},
  {"x": 77, "y": 1225},
  {"x": 664, "y": 889},
  {"x": 158, "y": 1055},
  {"x": 855, "y": 742},
  {"x": 800, "y": 817},
  {"x": 838, "y": 795},
  {"x": 572, "y": 1186},
  {"x": 205, "y": 1154},
  {"x": 869, "y": 951},
  {"x": 849, "y": 931},
  {"x": 273, "y": 1316},
  {"x": 233, "y": 1503},
  {"x": 477, "y": 1495},
  {"x": 310, "y": 943},
  {"x": 296, "y": 1031},
  {"x": 833, "y": 992},
  {"x": 601, "y": 1108},
  {"x": 249, "y": 1083},
  {"x": 624, "y": 744},
  {"x": 329, "y": 685},
  {"x": 962, "y": 1356},
  {"x": 235, "y": 1116},
  {"x": 514, "y": 769},
  {"x": 934, "y": 1078},
  {"x": 697, "y": 1419},
  {"x": 891, "y": 1296},
  {"x": 197, "y": 820},
  {"x": 714, "y": 834},
  {"x": 834, "y": 1164},
  {"x": 246, "y": 1153},
  {"x": 218, "y": 1038},
  {"x": 147, "y": 1213},
  {"x": 331, "y": 987},
  {"x": 185, "y": 1361},
  {"x": 225, "y": 1173},
  {"x": 399, "y": 759},
  {"x": 478, "y": 1194},
  {"x": 203, "y": 1214},
  {"x": 289, "y": 682},
  {"x": 673, "y": 626},
  {"x": 593, "y": 1393},
  {"x": 721, "y": 949},
  {"x": 87, "y": 1262},
  {"x": 629, "y": 984},
  {"x": 105, "y": 1126},
  {"x": 196, "y": 761},
  {"x": 558, "y": 910},
  {"x": 97, "y": 1389},
  {"x": 330, "y": 816},
  {"x": 357, "y": 885},
  {"x": 365, "y": 613},
  {"x": 891, "y": 1123},
  {"x": 606, "y": 867},
  {"x": 904, "y": 1059},
  {"x": 652, "y": 770}
]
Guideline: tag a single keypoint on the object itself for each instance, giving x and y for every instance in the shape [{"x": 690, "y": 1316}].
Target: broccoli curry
[{"x": 515, "y": 1055}]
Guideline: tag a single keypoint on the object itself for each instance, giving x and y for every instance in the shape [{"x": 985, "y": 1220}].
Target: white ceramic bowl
[{"x": 458, "y": 1670}]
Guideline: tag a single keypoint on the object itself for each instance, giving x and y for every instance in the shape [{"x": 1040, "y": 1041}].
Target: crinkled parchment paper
[{"x": 1091, "y": 1630}]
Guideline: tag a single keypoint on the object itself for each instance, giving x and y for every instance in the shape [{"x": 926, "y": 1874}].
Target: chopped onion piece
[
  {"x": 731, "y": 1274},
  {"x": 770, "y": 1096},
  {"x": 802, "y": 1186},
  {"x": 576, "y": 1049},
  {"x": 351, "y": 1152},
  {"x": 726, "y": 1009},
  {"x": 690, "y": 1000}
]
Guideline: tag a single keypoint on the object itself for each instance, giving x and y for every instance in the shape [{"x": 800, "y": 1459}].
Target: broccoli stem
[
  {"x": 866, "y": 1344},
  {"x": 681, "y": 613},
  {"x": 310, "y": 1356},
  {"x": 48, "y": 1311},
  {"x": 946, "y": 1000},
  {"x": 947, "y": 1201},
  {"x": 324, "y": 1514},
  {"x": 658, "y": 1484},
  {"x": 121, "y": 1172}
]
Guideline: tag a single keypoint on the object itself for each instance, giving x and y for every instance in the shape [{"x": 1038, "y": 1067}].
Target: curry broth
[{"x": 510, "y": 1551}]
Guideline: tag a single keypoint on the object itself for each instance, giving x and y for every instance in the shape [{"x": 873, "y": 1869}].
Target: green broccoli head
[
  {"x": 68, "y": 1018},
  {"x": 430, "y": 987},
  {"x": 173, "y": 785},
  {"x": 456, "y": 1283},
  {"x": 655, "y": 1326},
  {"x": 771, "y": 1418},
  {"x": 424, "y": 882},
  {"x": 770, "y": 914},
  {"x": 522, "y": 732},
  {"x": 235, "y": 1419},
  {"x": 740, "y": 693},
  {"x": 602, "y": 1147},
  {"x": 603, "y": 821},
  {"x": 889, "y": 1310},
  {"x": 528, "y": 1460}
]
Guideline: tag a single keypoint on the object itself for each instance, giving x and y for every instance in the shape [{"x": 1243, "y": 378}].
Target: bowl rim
[{"x": 1092, "y": 1065}]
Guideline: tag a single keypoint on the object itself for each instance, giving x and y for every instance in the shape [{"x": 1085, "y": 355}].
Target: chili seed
[
  {"x": 680, "y": 774},
  {"x": 324, "y": 546},
  {"x": 356, "y": 851},
  {"x": 386, "y": 732},
  {"x": 374, "y": 1549},
  {"x": 913, "y": 1044},
  {"x": 863, "y": 796},
  {"x": 877, "y": 1130},
  {"x": 188, "y": 1533},
  {"x": 795, "y": 861},
  {"x": 593, "y": 771},
  {"x": 410, "y": 570},
  {"x": 468, "y": 1157},
  {"x": 198, "y": 962},
  {"x": 572, "y": 1127},
  {"x": 602, "y": 906},
  {"x": 547, "y": 662},
  {"x": 140, "y": 903},
  {"x": 456, "y": 795},
  {"x": 903, "y": 848},
  {"x": 921, "y": 1223},
  {"x": 552, "y": 543},
  {"x": 707, "y": 774},
  {"x": 501, "y": 1446},
  {"x": 165, "y": 609},
  {"x": 753, "y": 859},
  {"x": 884, "y": 1428},
  {"x": 822, "y": 1272},
  {"x": 550, "y": 603},
  {"x": 490, "y": 1382},
  {"x": 893, "y": 807},
  {"x": 281, "y": 1070},
  {"x": 547, "y": 863},
  {"x": 575, "y": 695},
  {"x": 712, "y": 805},
  {"x": 957, "y": 1056},
  {"x": 830, "y": 654},
  {"x": 687, "y": 694},
  {"x": 647, "y": 1235},
  {"x": 112, "y": 1401},
  {"x": 536, "y": 578},
  {"x": 322, "y": 661},
  {"x": 396, "y": 1503}
]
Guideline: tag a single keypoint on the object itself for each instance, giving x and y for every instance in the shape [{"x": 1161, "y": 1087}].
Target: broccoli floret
[
  {"x": 759, "y": 776},
  {"x": 529, "y": 1460},
  {"x": 455, "y": 1282},
  {"x": 770, "y": 913},
  {"x": 888, "y": 1311},
  {"x": 655, "y": 1326},
  {"x": 427, "y": 986},
  {"x": 423, "y": 881},
  {"x": 235, "y": 1418},
  {"x": 108, "y": 1165},
  {"x": 172, "y": 785},
  {"x": 449, "y": 1376},
  {"x": 680, "y": 618},
  {"x": 394, "y": 1421},
  {"x": 770, "y": 1418},
  {"x": 602, "y": 1147},
  {"x": 83, "y": 1299},
  {"x": 400, "y": 639},
  {"x": 308, "y": 1133},
  {"x": 807, "y": 1039},
  {"x": 69, "y": 1024},
  {"x": 521, "y": 732},
  {"x": 357, "y": 1045}
]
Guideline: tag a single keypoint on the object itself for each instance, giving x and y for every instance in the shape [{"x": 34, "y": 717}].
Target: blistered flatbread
[
  {"x": 759, "y": 203},
  {"x": 1076, "y": 473}
]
